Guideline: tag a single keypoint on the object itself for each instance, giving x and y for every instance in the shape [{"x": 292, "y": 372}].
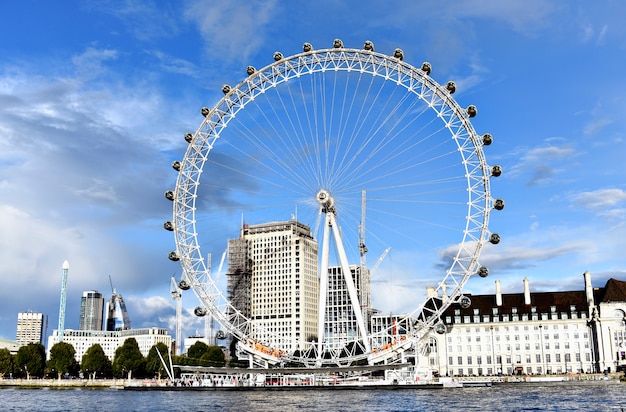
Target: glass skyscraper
[{"x": 91, "y": 310}]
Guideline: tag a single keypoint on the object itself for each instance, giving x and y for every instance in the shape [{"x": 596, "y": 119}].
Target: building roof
[
  {"x": 614, "y": 291},
  {"x": 540, "y": 302}
]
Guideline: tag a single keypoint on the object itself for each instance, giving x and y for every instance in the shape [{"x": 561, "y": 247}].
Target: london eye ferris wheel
[{"x": 324, "y": 138}]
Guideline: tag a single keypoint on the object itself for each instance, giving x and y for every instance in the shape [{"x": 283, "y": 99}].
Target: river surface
[{"x": 589, "y": 396}]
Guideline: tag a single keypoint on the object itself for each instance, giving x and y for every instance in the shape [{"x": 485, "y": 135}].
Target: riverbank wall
[{"x": 64, "y": 383}]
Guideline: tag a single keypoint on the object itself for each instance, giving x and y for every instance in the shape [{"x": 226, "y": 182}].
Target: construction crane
[
  {"x": 362, "y": 247},
  {"x": 177, "y": 295},
  {"x": 365, "y": 274},
  {"x": 209, "y": 327},
  {"x": 379, "y": 261}
]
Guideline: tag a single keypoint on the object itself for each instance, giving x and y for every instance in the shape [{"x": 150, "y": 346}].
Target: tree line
[{"x": 30, "y": 361}]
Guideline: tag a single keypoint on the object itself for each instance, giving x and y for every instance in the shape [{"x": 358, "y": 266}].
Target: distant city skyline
[{"x": 96, "y": 99}]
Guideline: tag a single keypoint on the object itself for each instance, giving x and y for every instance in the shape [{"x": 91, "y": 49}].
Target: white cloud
[
  {"x": 89, "y": 64},
  {"x": 232, "y": 30},
  {"x": 541, "y": 164},
  {"x": 608, "y": 203}
]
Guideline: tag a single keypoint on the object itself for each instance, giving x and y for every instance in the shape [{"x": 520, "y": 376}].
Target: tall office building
[
  {"x": 91, "y": 310},
  {"x": 65, "y": 271},
  {"x": 29, "y": 328},
  {"x": 341, "y": 326},
  {"x": 272, "y": 279}
]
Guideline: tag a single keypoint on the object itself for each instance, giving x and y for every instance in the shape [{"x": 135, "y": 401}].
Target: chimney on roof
[
  {"x": 498, "y": 294},
  {"x": 588, "y": 289},
  {"x": 444, "y": 292},
  {"x": 430, "y": 292},
  {"x": 526, "y": 292}
]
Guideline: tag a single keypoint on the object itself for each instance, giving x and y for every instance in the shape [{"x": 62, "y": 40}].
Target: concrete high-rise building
[
  {"x": 272, "y": 279},
  {"x": 29, "y": 328},
  {"x": 91, "y": 310},
  {"x": 341, "y": 325}
]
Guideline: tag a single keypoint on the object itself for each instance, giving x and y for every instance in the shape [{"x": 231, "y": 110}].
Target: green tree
[
  {"x": 31, "y": 360},
  {"x": 128, "y": 360},
  {"x": 154, "y": 365},
  {"x": 95, "y": 362},
  {"x": 63, "y": 359},
  {"x": 196, "y": 351},
  {"x": 214, "y": 356},
  {"x": 6, "y": 363}
]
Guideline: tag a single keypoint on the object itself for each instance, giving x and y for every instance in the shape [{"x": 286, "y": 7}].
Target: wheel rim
[{"x": 301, "y": 95}]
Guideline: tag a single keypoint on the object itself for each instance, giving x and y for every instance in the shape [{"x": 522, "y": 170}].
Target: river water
[{"x": 588, "y": 396}]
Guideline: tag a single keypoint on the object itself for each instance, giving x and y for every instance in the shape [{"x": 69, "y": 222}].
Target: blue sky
[{"x": 96, "y": 96}]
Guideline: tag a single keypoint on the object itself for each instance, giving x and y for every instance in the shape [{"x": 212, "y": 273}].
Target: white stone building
[
  {"x": 82, "y": 340},
  {"x": 533, "y": 333}
]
